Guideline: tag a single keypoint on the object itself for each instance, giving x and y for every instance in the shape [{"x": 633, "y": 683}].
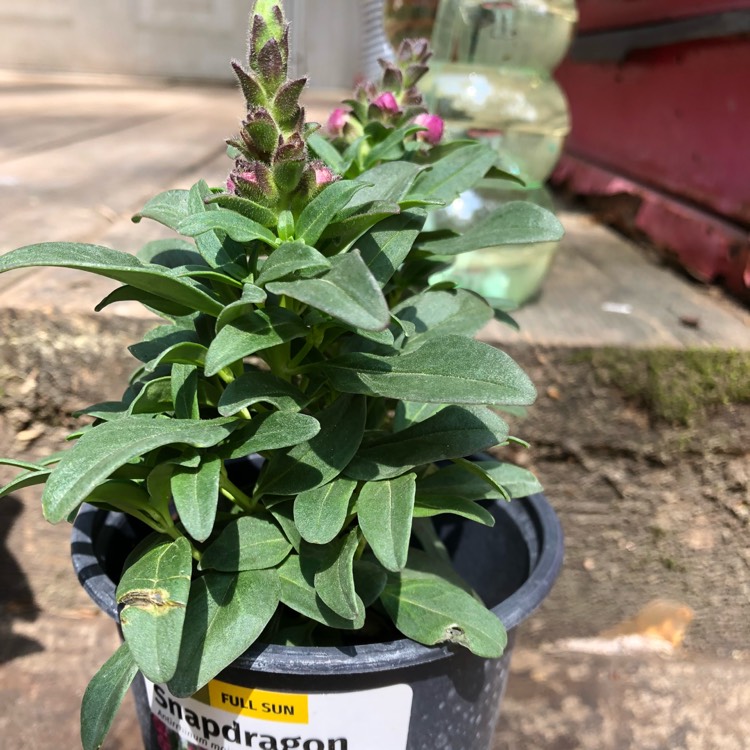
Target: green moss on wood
[{"x": 676, "y": 386}]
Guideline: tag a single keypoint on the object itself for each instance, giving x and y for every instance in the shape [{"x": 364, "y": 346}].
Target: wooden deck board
[{"x": 604, "y": 291}]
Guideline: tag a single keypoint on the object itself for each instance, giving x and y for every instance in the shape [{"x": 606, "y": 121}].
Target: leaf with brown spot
[{"x": 153, "y": 594}]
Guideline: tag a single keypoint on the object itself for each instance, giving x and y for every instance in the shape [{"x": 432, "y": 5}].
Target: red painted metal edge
[
  {"x": 711, "y": 249},
  {"x": 596, "y": 15}
]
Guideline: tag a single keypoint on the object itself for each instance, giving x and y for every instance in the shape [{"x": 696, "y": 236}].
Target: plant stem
[{"x": 235, "y": 494}]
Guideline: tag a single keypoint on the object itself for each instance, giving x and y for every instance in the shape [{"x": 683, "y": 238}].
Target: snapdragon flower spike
[{"x": 274, "y": 168}]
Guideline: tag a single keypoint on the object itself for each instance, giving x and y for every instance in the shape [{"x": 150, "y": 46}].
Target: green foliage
[{"x": 299, "y": 325}]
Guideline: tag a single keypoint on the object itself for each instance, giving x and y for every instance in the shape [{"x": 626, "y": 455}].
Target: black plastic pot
[{"x": 456, "y": 696}]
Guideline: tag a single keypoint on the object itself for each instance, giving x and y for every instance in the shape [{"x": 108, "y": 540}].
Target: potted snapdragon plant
[{"x": 257, "y": 510}]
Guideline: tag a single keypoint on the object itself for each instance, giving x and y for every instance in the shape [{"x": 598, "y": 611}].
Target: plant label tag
[{"x": 228, "y": 717}]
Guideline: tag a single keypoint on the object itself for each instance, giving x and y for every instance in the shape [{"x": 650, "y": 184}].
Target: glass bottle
[{"x": 490, "y": 79}]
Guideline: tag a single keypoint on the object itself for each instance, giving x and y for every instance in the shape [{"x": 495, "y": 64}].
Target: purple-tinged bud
[
  {"x": 434, "y": 128},
  {"x": 251, "y": 177},
  {"x": 337, "y": 122},
  {"x": 254, "y": 180},
  {"x": 386, "y": 102},
  {"x": 393, "y": 78},
  {"x": 231, "y": 187},
  {"x": 252, "y": 90},
  {"x": 272, "y": 68},
  {"x": 292, "y": 149}
]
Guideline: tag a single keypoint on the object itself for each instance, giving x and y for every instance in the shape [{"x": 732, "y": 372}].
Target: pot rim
[{"x": 533, "y": 515}]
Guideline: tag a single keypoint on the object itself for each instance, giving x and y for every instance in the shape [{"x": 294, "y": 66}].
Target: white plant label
[{"x": 227, "y": 717}]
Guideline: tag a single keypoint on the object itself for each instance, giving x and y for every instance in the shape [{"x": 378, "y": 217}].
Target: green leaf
[
  {"x": 385, "y": 182},
  {"x": 251, "y": 296},
  {"x": 155, "y": 398},
  {"x": 147, "y": 299},
  {"x": 454, "y": 432},
  {"x": 343, "y": 232},
  {"x": 17, "y": 464},
  {"x": 27, "y": 479},
  {"x": 334, "y": 581},
  {"x": 271, "y": 432},
  {"x": 321, "y": 459},
  {"x": 236, "y": 226},
  {"x": 209, "y": 245},
  {"x": 113, "y": 265},
  {"x": 348, "y": 292},
  {"x": 457, "y": 506},
  {"x": 514, "y": 223},
  {"x": 227, "y": 612},
  {"x": 171, "y": 253},
  {"x": 454, "y": 173},
  {"x": 283, "y": 513},
  {"x": 289, "y": 258},
  {"x": 153, "y": 594},
  {"x": 411, "y": 412},
  {"x": 451, "y": 369},
  {"x": 168, "y": 208},
  {"x": 248, "y": 543},
  {"x": 487, "y": 480},
  {"x": 318, "y": 214},
  {"x": 187, "y": 353},
  {"x": 252, "y": 333},
  {"x": 106, "y": 411},
  {"x": 320, "y": 514},
  {"x": 104, "y": 695},
  {"x": 442, "y": 313},
  {"x": 160, "y": 339},
  {"x": 369, "y": 579},
  {"x": 297, "y": 581},
  {"x": 196, "y": 497},
  {"x": 517, "y": 482},
  {"x": 431, "y": 610},
  {"x": 385, "y": 512},
  {"x": 260, "y": 387},
  {"x": 249, "y": 209},
  {"x": 87, "y": 465},
  {"x": 184, "y": 391},
  {"x": 323, "y": 149},
  {"x": 385, "y": 247},
  {"x": 391, "y": 148}
]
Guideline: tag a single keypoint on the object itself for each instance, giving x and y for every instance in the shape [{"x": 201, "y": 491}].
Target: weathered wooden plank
[
  {"x": 33, "y": 120},
  {"x": 603, "y": 291}
]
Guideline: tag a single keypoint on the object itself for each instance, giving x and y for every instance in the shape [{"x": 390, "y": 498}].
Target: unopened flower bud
[
  {"x": 337, "y": 121},
  {"x": 323, "y": 174},
  {"x": 434, "y": 128},
  {"x": 386, "y": 102}
]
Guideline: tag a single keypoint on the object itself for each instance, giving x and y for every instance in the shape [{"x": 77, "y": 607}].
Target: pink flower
[
  {"x": 231, "y": 187},
  {"x": 434, "y": 128},
  {"x": 337, "y": 120},
  {"x": 387, "y": 102}
]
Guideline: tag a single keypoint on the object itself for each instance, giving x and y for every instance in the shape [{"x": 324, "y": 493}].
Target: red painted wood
[
  {"x": 708, "y": 247},
  {"x": 609, "y": 14},
  {"x": 675, "y": 118}
]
